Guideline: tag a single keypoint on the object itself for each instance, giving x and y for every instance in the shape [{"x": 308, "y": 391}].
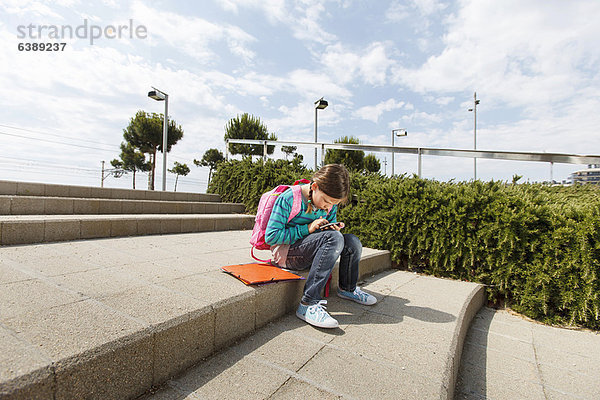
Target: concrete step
[
  {"x": 109, "y": 319},
  {"x": 407, "y": 346},
  {"x": 30, "y": 229},
  {"x": 36, "y": 205},
  {"x": 14, "y": 188}
]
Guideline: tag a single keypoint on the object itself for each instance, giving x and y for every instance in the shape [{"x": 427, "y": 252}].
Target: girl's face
[{"x": 321, "y": 200}]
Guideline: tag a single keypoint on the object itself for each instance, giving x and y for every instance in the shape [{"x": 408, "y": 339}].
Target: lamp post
[
  {"x": 159, "y": 95},
  {"x": 474, "y": 109},
  {"x": 396, "y": 132},
  {"x": 319, "y": 105}
]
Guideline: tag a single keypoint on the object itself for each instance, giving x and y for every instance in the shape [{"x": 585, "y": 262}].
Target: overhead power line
[
  {"x": 62, "y": 135},
  {"x": 57, "y": 142}
]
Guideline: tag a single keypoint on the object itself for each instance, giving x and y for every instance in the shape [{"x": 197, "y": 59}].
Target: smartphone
[{"x": 330, "y": 224}]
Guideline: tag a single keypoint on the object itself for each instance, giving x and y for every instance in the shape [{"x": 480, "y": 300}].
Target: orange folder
[{"x": 252, "y": 274}]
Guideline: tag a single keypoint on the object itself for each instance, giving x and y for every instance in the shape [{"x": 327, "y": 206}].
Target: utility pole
[{"x": 474, "y": 109}]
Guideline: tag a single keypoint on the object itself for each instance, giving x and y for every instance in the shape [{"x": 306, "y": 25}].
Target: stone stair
[
  {"x": 37, "y": 213},
  {"x": 143, "y": 299}
]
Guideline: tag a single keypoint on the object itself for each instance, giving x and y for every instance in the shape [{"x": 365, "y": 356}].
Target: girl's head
[{"x": 330, "y": 185}]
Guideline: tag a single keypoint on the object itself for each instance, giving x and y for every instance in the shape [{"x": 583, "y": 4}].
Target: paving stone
[
  {"x": 95, "y": 228},
  {"x": 58, "y": 206},
  {"x": 214, "y": 286},
  {"x": 25, "y": 372},
  {"x": 9, "y": 274},
  {"x": 294, "y": 389},
  {"x": 53, "y": 190},
  {"x": 153, "y": 304},
  {"x": 288, "y": 295},
  {"x": 385, "y": 381},
  {"x": 424, "y": 355},
  {"x": 8, "y": 187},
  {"x": 81, "y": 191},
  {"x": 170, "y": 225},
  {"x": 86, "y": 206},
  {"x": 121, "y": 371},
  {"x": 168, "y": 208},
  {"x": 181, "y": 345},
  {"x": 5, "y": 202},
  {"x": 147, "y": 226},
  {"x": 71, "y": 329},
  {"x": 243, "y": 377},
  {"x": 564, "y": 379},
  {"x": 30, "y": 189},
  {"x": 55, "y": 231},
  {"x": 31, "y": 295},
  {"x": 123, "y": 227},
  {"x": 234, "y": 319},
  {"x": 21, "y": 232},
  {"x": 98, "y": 283},
  {"x": 273, "y": 344},
  {"x": 21, "y": 205},
  {"x": 162, "y": 270}
]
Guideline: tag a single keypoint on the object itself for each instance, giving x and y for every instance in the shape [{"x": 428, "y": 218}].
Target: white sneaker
[
  {"x": 316, "y": 315},
  {"x": 358, "y": 296}
]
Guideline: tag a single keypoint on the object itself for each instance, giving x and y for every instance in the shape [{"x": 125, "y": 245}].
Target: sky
[{"x": 381, "y": 65}]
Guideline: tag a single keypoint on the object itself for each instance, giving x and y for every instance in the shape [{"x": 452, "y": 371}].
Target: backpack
[{"x": 265, "y": 207}]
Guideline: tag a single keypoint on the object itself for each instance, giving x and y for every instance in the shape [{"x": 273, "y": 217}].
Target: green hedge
[
  {"x": 537, "y": 247},
  {"x": 245, "y": 181}
]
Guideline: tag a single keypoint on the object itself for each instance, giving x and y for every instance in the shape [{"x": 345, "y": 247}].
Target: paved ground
[{"x": 508, "y": 357}]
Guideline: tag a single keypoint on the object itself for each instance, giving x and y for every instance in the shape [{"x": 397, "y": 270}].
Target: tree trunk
[
  {"x": 176, "y": 179},
  {"x": 134, "y": 178}
]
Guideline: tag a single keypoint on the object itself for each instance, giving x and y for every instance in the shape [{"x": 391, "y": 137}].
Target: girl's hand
[
  {"x": 338, "y": 227},
  {"x": 313, "y": 226}
]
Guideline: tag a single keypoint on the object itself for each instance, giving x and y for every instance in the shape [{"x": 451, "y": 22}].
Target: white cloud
[
  {"x": 192, "y": 35},
  {"x": 370, "y": 64},
  {"x": 301, "y": 17},
  {"x": 510, "y": 52},
  {"x": 27, "y": 7},
  {"x": 372, "y": 113}
]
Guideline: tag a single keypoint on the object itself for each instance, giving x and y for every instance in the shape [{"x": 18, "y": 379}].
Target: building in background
[{"x": 589, "y": 175}]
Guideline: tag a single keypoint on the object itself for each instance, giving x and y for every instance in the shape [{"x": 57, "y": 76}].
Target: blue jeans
[{"x": 319, "y": 251}]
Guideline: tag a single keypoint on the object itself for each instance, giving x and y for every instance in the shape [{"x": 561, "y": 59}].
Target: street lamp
[
  {"x": 396, "y": 132},
  {"x": 474, "y": 109},
  {"x": 159, "y": 95},
  {"x": 319, "y": 105}
]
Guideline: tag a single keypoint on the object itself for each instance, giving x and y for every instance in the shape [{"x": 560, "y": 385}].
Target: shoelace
[
  {"x": 363, "y": 296},
  {"x": 320, "y": 308}
]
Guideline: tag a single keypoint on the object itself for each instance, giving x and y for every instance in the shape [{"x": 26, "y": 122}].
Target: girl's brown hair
[{"x": 333, "y": 180}]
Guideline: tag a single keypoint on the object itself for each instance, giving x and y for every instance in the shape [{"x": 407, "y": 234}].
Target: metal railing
[{"x": 429, "y": 151}]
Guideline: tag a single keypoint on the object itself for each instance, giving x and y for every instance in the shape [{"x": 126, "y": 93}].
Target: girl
[{"x": 301, "y": 244}]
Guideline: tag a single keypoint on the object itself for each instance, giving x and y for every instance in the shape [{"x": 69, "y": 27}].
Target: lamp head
[
  {"x": 156, "y": 95},
  {"x": 400, "y": 132},
  {"x": 321, "y": 104}
]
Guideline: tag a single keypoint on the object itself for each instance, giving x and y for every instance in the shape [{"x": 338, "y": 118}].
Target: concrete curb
[{"x": 474, "y": 302}]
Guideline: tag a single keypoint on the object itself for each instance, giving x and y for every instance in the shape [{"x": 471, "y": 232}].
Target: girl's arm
[{"x": 277, "y": 232}]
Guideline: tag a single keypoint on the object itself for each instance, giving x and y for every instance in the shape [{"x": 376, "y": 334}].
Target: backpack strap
[
  {"x": 258, "y": 259},
  {"x": 297, "y": 204}
]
